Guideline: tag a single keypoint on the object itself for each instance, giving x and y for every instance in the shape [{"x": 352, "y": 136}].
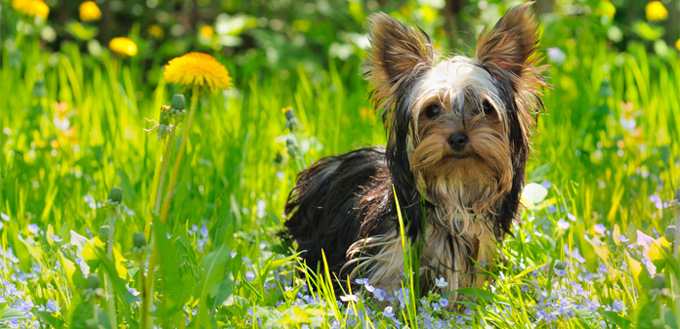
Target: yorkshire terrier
[{"x": 459, "y": 134}]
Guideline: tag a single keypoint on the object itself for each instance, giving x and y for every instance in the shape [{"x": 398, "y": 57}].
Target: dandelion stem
[
  {"x": 161, "y": 179},
  {"x": 676, "y": 253},
  {"x": 180, "y": 154},
  {"x": 143, "y": 321},
  {"x": 109, "y": 282}
]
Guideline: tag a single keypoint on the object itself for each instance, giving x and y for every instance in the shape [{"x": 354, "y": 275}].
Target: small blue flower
[
  {"x": 440, "y": 282},
  {"x": 388, "y": 312},
  {"x": 204, "y": 231},
  {"x": 552, "y": 209},
  {"x": 444, "y": 302},
  {"x": 56, "y": 238},
  {"x": 52, "y": 306},
  {"x": 33, "y": 228},
  {"x": 599, "y": 228},
  {"x": 361, "y": 281},
  {"x": 622, "y": 238},
  {"x": 380, "y": 294},
  {"x": 560, "y": 272},
  {"x": 133, "y": 292},
  {"x": 12, "y": 323},
  {"x": 618, "y": 306},
  {"x": 5, "y": 218},
  {"x": 571, "y": 216},
  {"x": 546, "y": 184}
]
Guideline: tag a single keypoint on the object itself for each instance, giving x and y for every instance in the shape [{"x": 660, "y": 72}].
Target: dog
[{"x": 459, "y": 132}]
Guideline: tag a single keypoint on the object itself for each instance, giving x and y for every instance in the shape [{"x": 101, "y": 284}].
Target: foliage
[{"x": 592, "y": 248}]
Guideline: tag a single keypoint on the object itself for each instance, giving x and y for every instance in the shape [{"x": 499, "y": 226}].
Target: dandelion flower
[
  {"x": 197, "y": 69},
  {"x": 156, "y": 31},
  {"x": 31, "y": 7},
  {"x": 677, "y": 44},
  {"x": 89, "y": 11},
  {"x": 123, "y": 46},
  {"x": 207, "y": 31},
  {"x": 655, "y": 11}
]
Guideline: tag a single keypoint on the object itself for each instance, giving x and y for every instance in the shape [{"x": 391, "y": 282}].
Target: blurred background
[{"x": 280, "y": 35}]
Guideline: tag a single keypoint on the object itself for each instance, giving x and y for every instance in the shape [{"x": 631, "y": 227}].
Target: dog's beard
[{"x": 466, "y": 182}]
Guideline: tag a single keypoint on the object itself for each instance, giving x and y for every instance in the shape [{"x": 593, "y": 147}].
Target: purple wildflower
[{"x": 599, "y": 228}]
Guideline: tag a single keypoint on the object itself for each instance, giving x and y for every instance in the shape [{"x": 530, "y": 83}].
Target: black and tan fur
[{"x": 458, "y": 141}]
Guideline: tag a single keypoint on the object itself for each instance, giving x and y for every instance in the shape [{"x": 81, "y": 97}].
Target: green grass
[{"x": 223, "y": 265}]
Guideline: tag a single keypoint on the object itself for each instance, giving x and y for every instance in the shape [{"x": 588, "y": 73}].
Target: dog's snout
[{"x": 458, "y": 141}]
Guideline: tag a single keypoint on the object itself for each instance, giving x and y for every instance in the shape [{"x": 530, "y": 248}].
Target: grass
[{"x": 583, "y": 256}]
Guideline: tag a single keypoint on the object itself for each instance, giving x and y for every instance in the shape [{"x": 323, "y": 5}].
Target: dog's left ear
[{"x": 508, "y": 50}]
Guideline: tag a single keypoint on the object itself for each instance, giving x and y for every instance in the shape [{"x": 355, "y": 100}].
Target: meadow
[{"x": 84, "y": 245}]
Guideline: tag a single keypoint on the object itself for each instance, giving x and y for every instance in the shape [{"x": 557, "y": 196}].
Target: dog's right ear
[{"x": 398, "y": 57}]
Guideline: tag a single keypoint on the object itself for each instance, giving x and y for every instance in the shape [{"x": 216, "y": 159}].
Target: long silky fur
[{"x": 344, "y": 206}]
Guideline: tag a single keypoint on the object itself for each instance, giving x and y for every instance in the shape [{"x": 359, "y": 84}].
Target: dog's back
[{"x": 327, "y": 209}]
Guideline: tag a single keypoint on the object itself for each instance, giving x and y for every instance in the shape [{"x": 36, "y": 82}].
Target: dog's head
[{"x": 459, "y": 128}]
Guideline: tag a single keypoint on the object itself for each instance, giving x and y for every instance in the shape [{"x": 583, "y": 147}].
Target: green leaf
[
  {"x": 620, "y": 322},
  {"x": 478, "y": 293}
]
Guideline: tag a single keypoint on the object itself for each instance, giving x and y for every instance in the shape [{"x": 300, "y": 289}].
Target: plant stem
[
  {"x": 180, "y": 154},
  {"x": 676, "y": 253},
  {"x": 109, "y": 282},
  {"x": 165, "y": 160},
  {"x": 144, "y": 317}
]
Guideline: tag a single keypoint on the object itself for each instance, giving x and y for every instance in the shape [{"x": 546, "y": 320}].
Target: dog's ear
[
  {"x": 398, "y": 57},
  {"x": 509, "y": 50}
]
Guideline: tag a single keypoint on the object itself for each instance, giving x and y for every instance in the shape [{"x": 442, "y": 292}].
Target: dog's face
[
  {"x": 459, "y": 140},
  {"x": 459, "y": 127}
]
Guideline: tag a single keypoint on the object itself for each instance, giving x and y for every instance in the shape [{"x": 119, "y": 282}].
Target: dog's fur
[{"x": 458, "y": 141}]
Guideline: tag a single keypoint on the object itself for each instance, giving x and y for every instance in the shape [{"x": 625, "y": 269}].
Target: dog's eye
[
  {"x": 488, "y": 109},
  {"x": 432, "y": 111}
]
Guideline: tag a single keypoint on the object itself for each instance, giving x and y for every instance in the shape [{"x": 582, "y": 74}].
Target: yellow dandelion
[
  {"x": 197, "y": 69},
  {"x": 123, "y": 46},
  {"x": 89, "y": 11},
  {"x": 655, "y": 11},
  {"x": 31, "y": 7},
  {"x": 606, "y": 8},
  {"x": 156, "y": 31},
  {"x": 677, "y": 44},
  {"x": 207, "y": 31}
]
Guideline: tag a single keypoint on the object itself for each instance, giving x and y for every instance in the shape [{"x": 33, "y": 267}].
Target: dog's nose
[{"x": 458, "y": 141}]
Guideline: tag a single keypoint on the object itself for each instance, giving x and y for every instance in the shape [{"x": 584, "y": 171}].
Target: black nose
[{"x": 458, "y": 141}]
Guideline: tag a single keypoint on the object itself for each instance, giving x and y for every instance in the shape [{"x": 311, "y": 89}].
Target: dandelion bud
[
  {"x": 278, "y": 159},
  {"x": 659, "y": 281},
  {"x": 165, "y": 115},
  {"x": 178, "y": 102},
  {"x": 560, "y": 265},
  {"x": 290, "y": 146},
  {"x": 290, "y": 115},
  {"x": 670, "y": 233},
  {"x": 139, "y": 240},
  {"x": 104, "y": 232},
  {"x": 116, "y": 194},
  {"x": 92, "y": 281}
]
